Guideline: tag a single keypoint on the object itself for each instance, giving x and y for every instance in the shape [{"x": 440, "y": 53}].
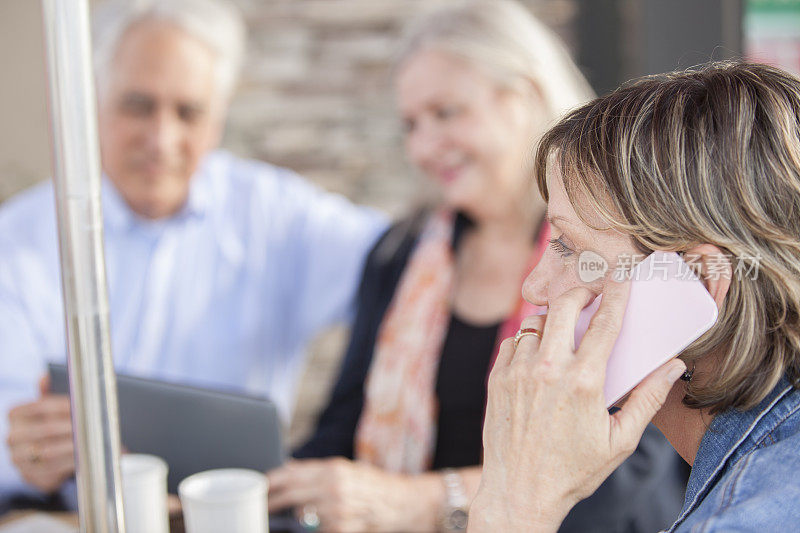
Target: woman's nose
[
  {"x": 424, "y": 143},
  {"x": 536, "y": 284}
]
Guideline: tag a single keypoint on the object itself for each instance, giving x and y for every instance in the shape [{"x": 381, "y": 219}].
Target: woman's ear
[{"x": 714, "y": 268}]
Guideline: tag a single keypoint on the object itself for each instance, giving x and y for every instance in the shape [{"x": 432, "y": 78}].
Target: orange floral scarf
[{"x": 397, "y": 428}]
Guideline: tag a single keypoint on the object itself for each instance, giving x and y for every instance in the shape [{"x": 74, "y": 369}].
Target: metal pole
[{"x": 73, "y": 122}]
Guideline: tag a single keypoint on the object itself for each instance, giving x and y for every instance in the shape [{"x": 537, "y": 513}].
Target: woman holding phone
[
  {"x": 476, "y": 83},
  {"x": 705, "y": 163}
]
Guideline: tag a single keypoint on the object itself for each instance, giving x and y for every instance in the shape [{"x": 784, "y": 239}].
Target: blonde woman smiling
[{"x": 475, "y": 83}]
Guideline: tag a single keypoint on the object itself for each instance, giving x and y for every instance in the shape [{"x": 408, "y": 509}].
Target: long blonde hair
[
  {"x": 710, "y": 155},
  {"x": 506, "y": 42}
]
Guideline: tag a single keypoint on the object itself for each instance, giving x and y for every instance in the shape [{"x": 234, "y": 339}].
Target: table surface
[
  {"x": 13, "y": 517},
  {"x": 277, "y": 524},
  {"x": 71, "y": 519}
]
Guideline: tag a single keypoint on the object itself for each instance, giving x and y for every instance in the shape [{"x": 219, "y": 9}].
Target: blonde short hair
[
  {"x": 506, "y": 42},
  {"x": 710, "y": 155}
]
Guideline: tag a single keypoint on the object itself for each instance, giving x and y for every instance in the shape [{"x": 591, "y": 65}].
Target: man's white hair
[{"x": 217, "y": 24}]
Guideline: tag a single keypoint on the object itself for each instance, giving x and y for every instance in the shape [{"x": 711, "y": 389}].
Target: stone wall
[{"x": 315, "y": 93}]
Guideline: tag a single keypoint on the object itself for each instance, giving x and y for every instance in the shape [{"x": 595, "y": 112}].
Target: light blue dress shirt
[{"x": 225, "y": 294}]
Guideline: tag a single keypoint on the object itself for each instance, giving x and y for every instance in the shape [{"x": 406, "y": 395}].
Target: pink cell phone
[{"x": 668, "y": 309}]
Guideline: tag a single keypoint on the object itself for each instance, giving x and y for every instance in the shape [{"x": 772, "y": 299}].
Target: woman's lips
[{"x": 447, "y": 175}]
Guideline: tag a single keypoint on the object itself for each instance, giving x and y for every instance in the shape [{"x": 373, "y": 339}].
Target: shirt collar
[
  {"x": 733, "y": 434},
  {"x": 118, "y": 215}
]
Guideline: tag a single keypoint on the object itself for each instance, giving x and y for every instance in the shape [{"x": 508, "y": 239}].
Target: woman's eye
[
  {"x": 561, "y": 248},
  {"x": 444, "y": 113}
]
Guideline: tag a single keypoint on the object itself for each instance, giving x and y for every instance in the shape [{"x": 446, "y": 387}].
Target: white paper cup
[
  {"x": 144, "y": 491},
  {"x": 232, "y": 500}
]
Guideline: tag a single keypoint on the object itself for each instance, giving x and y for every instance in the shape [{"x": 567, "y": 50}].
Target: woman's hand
[
  {"x": 357, "y": 497},
  {"x": 548, "y": 438}
]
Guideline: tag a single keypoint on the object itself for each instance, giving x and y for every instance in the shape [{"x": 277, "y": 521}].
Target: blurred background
[{"x": 315, "y": 94}]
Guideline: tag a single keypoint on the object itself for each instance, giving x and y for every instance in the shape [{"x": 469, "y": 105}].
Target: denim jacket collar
[{"x": 731, "y": 435}]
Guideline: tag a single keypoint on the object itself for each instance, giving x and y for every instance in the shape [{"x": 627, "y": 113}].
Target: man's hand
[{"x": 40, "y": 440}]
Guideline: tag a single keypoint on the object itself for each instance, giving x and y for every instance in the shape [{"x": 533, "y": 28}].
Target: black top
[
  {"x": 645, "y": 494},
  {"x": 461, "y": 391},
  {"x": 336, "y": 427}
]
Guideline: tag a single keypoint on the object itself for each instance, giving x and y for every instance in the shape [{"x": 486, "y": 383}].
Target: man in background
[{"x": 219, "y": 269}]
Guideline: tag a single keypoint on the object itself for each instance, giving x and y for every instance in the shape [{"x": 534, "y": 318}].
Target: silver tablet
[{"x": 192, "y": 429}]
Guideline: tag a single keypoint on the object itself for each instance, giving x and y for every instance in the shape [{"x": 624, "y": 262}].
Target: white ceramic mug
[
  {"x": 144, "y": 492},
  {"x": 233, "y": 500}
]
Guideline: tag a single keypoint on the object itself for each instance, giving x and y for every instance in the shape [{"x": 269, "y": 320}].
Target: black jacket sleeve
[{"x": 385, "y": 263}]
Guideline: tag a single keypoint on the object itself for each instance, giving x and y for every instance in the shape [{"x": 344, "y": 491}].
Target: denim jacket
[{"x": 746, "y": 475}]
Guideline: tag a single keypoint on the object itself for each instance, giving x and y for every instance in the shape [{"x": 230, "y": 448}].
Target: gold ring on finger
[{"x": 526, "y": 331}]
